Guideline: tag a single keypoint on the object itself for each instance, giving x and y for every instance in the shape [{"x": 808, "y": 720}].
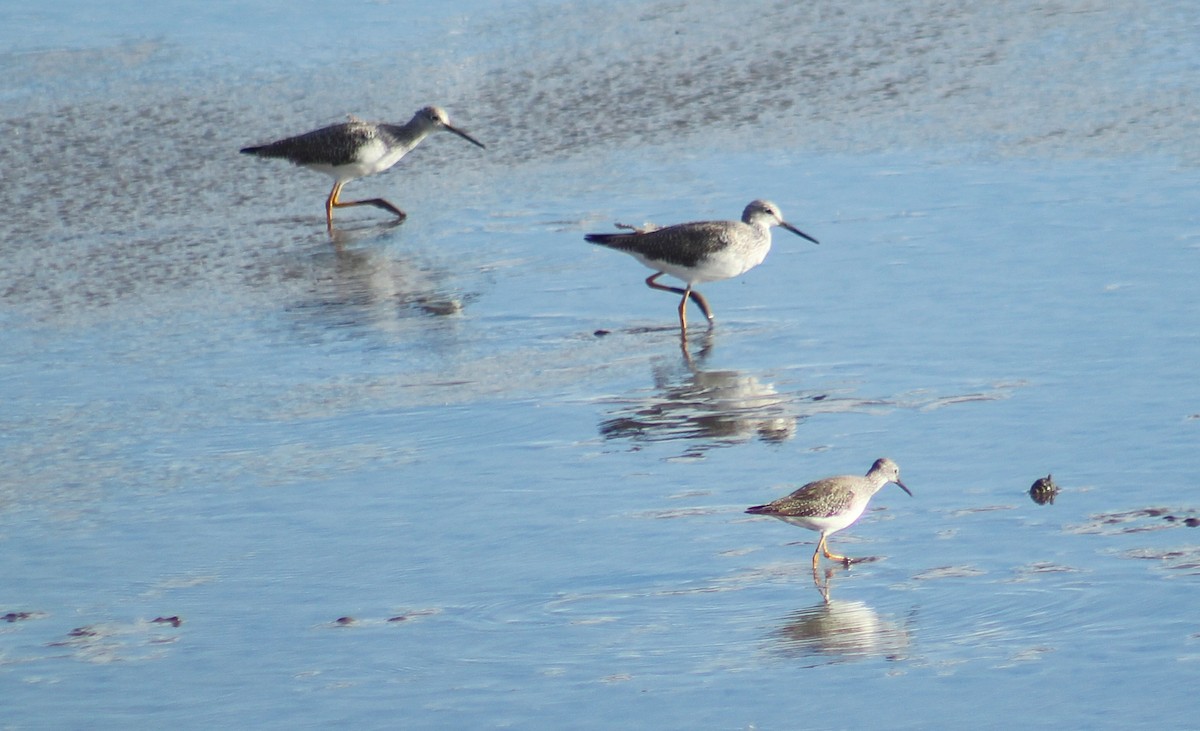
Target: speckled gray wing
[
  {"x": 337, "y": 144},
  {"x": 685, "y": 244},
  {"x": 814, "y": 500}
]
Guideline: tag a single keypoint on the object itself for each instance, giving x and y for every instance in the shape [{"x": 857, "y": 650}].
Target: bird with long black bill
[
  {"x": 355, "y": 149},
  {"x": 701, "y": 251}
]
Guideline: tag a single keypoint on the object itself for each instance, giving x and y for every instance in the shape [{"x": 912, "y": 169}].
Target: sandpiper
[
  {"x": 355, "y": 149},
  {"x": 831, "y": 504},
  {"x": 701, "y": 251}
]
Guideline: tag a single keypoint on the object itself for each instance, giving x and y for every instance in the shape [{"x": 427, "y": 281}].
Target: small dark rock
[
  {"x": 1043, "y": 490},
  {"x": 173, "y": 621},
  {"x": 1192, "y": 522},
  {"x": 16, "y": 616},
  {"x": 601, "y": 333},
  {"x": 344, "y": 621},
  {"x": 400, "y": 618}
]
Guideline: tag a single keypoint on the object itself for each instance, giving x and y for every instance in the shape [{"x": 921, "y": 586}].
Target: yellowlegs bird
[
  {"x": 831, "y": 504},
  {"x": 701, "y": 251},
  {"x": 355, "y": 149}
]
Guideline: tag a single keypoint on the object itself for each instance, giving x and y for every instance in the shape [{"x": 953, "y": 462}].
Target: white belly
[
  {"x": 722, "y": 265},
  {"x": 829, "y": 525},
  {"x": 373, "y": 157}
]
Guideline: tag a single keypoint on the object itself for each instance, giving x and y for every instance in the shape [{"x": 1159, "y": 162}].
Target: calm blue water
[{"x": 399, "y": 480}]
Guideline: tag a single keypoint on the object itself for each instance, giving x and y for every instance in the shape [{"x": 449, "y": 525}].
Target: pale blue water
[{"x": 213, "y": 413}]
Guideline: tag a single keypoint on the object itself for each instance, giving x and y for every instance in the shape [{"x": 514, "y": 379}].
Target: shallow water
[{"x": 461, "y": 472}]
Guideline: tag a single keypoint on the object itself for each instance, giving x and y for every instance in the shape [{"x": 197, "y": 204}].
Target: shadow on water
[{"x": 836, "y": 630}]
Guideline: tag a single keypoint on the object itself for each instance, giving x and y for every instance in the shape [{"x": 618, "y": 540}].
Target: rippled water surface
[{"x": 461, "y": 472}]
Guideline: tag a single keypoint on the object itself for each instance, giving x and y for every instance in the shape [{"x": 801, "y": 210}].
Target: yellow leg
[
  {"x": 651, "y": 281},
  {"x": 333, "y": 201},
  {"x": 699, "y": 298},
  {"x": 330, "y": 202},
  {"x": 831, "y": 556}
]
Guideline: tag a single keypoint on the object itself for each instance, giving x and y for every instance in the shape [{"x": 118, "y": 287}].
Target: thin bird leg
[
  {"x": 703, "y": 306},
  {"x": 333, "y": 202},
  {"x": 650, "y": 282},
  {"x": 330, "y": 202},
  {"x": 689, "y": 292},
  {"x": 833, "y": 556},
  {"x": 655, "y": 285},
  {"x": 377, "y": 202}
]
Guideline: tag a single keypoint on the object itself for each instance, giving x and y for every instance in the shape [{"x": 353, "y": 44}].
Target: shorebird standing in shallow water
[
  {"x": 355, "y": 149},
  {"x": 701, "y": 251},
  {"x": 831, "y": 504}
]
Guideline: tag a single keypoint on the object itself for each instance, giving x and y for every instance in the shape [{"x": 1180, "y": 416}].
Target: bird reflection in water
[
  {"x": 839, "y": 630},
  {"x": 369, "y": 289},
  {"x": 712, "y": 407}
]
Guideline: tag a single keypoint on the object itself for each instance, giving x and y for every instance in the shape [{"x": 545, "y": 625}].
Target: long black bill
[
  {"x": 464, "y": 135},
  {"x": 798, "y": 232}
]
